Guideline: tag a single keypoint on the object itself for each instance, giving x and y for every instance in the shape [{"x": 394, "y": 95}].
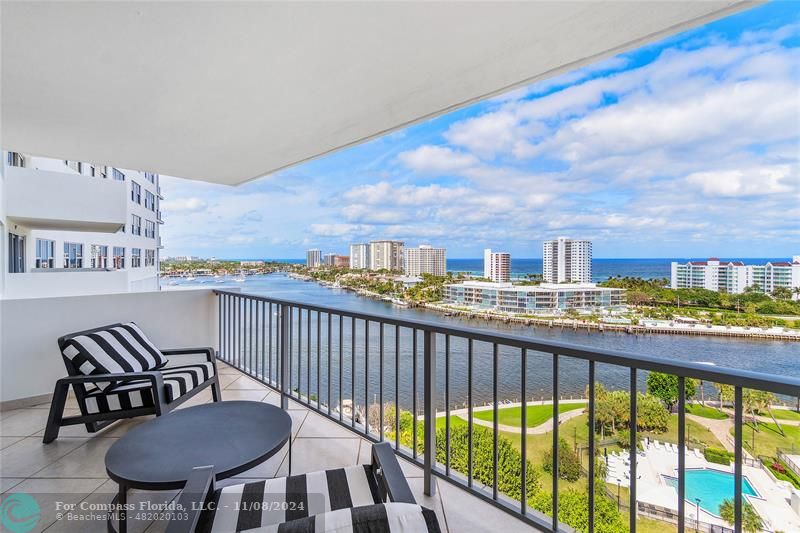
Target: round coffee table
[{"x": 161, "y": 453}]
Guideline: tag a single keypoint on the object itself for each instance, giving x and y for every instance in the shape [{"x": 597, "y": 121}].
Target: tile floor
[{"x": 73, "y": 468}]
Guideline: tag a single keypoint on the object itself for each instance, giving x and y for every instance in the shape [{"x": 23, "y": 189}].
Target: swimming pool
[{"x": 711, "y": 486}]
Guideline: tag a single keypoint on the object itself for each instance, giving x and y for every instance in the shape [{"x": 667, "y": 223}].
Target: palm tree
[{"x": 751, "y": 522}]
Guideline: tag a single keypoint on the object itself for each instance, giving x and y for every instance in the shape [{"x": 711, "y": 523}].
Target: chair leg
[
  {"x": 216, "y": 393},
  {"x": 56, "y": 412}
]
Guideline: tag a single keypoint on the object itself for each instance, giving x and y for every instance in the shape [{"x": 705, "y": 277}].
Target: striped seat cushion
[
  {"x": 116, "y": 349},
  {"x": 274, "y": 501},
  {"x": 377, "y": 518},
  {"x": 178, "y": 380}
]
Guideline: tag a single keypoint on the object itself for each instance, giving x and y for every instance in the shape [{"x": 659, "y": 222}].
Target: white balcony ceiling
[{"x": 227, "y": 92}]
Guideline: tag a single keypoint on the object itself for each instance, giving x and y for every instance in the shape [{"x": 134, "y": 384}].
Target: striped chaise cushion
[
  {"x": 274, "y": 501},
  {"x": 377, "y": 518},
  {"x": 119, "y": 349},
  {"x": 178, "y": 380}
]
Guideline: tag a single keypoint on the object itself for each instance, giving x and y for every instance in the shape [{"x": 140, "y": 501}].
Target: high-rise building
[
  {"x": 386, "y": 255},
  {"x": 425, "y": 260},
  {"x": 93, "y": 228},
  {"x": 313, "y": 258},
  {"x": 496, "y": 265},
  {"x": 359, "y": 256},
  {"x": 734, "y": 276},
  {"x": 329, "y": 259},
  {"x": 565, "y": 260}
]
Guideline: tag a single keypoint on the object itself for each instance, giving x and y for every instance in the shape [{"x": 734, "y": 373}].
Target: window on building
[
  {"x": 136, "y": 257},
  {"x": 100, "y": 171},
  {"x": 117, "y": 174},
  {"x": 136, "y": 192},
  {"x": 150, "y": 200},
  {"x": 99, "y": 256},
  {"x": 73, "y": 255},
  {"x": 15, "y": 159},
  {"x": 16, "y": 253},
  {"x": 150, "y": 229},
  {"x": 118, "y": 260},
  {"x": 149, "y": 258},
  {"x": 45, "y": 253},
  {"x": 149, "y": 176},
  {"x": 136, "y": 225}
]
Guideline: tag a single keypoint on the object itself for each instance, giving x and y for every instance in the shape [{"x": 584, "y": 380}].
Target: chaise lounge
[
  {"x": 373, "y": 498},
  {"x": 116, "y": 372}
]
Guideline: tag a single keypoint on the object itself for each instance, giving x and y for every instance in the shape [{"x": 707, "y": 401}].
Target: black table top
[{"x": 231, "y": 436}]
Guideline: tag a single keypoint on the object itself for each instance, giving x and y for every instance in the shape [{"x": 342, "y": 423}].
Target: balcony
[
  {"x": 40, "y": 199},
  {"x": 342, "y": 373}
]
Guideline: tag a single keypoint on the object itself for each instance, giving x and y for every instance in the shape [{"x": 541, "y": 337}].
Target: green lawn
[
  {"x": 705, "y": 411},
  {"x": 696, "y": 434},
  {"x": 537, "y": 414},
  {"x": 784, "y": 414},
  {"x": 768, "y": 438}
]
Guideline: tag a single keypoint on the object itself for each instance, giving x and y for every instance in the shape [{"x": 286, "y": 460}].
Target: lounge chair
[
  {"x": 116, "y": 372},
  {"x": 698, "y": 453},
  {"x": 371, "y": 498}
]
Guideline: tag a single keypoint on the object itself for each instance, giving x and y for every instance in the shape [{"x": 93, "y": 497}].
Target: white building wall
[
  {"x": 386, "y": 255},
  {"x": 496, "y": 266},
  {"x": 425, "y": 260},
  {"x": 313, "y": 258},
  {"x": 35, "y": 283},
  {"x": 567, "y": 260},
  {"x": 359, "y": 256}
]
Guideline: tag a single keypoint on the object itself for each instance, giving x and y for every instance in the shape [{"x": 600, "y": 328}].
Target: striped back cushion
[
  {"x": 118, "y": 349},
  {"x": 377, "y": 518}
]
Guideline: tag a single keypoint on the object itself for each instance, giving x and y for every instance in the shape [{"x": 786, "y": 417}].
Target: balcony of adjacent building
[{"x": 45, "y": 200}]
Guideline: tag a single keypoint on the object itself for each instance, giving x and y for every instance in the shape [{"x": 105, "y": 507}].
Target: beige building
[
  {"x": 386, "y": 255},
  {"x": 425, "y": 260}
]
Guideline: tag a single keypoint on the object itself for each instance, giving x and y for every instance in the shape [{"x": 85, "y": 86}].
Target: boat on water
[
  {"x": 239, "y": 279},
  {"x": 190, "y": 278}
]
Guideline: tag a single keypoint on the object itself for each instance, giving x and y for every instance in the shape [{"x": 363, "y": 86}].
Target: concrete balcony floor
[{"x": 72, "y": 468}]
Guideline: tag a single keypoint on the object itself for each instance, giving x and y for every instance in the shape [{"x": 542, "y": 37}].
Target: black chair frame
[{"x": 96, "y": 421}]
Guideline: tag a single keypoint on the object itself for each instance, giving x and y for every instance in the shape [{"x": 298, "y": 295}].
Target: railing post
[
  {"x": 429, "y": 406},
  {"x": 284, "y": 344}
]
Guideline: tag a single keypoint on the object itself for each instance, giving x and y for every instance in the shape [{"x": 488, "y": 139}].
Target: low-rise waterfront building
[
  {"x": 386, "y": 255},
  {"x": 566, "y": 260},
  {"x": 547, "y": 298},
  {"x": 359, "y": 256},
  {"x": 734, "y": 277},
  {"x": 425, "y": 260},
  {"x": 251, "y": 263},
  {"x": 496, "y": 265},
  {"x": 313, "y": 258}
]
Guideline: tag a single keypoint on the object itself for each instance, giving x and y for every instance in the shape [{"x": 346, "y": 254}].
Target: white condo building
[
  {"x": 496, "y": 265},
  {"x": 425, "y": 260},
  {"x": 565, "y": 260},
  {"x": 359, "y": 256},
  {"x": 73, "y": 228},
  {"x": 313, "y": 258},
  {"x": 386, "y": 255},
  {"x": 734, "y": 276}
]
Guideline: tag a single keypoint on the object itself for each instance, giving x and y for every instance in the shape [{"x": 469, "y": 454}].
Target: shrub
[
  {"x": 569, "y": 464},
  {"x": 718, "y": 456},
  {"x": 509, "y": 460},
  {"x": 573, "y": 510}
]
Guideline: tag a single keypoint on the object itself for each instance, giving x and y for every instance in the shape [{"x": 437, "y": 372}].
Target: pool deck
[{"x": 657, "y": 461}]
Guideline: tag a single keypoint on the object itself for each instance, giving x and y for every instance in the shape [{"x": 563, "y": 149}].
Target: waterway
[{"x": 766, "y": 356}]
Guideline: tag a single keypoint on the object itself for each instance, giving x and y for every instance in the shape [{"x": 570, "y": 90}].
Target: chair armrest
[
  {"x": 192, "y": 500},
  {"x": 207, "y": 351},
  {"x": 155, "y": 377},
  {"x": 389, "y": 474}
]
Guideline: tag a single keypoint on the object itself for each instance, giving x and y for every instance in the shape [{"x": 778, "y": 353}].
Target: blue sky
[{"x": 685, "y": 148}]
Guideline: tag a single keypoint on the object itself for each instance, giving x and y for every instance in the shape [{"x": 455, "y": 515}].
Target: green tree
[
  {"x": 569, "y": 464},
  {"x": 665, "y": 388},
  {"x": 782, "y": 293},
  {"x": 751, "y": 522},
  {"x": 725, "y": 393}
]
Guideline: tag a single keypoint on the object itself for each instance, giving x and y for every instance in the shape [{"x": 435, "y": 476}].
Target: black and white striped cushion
[
  {"x": 119, "y": 349},
  {"x": 274, "y": 501},
  {"x": 377, "y": 518},
  {"x": 178, "y": 381}
]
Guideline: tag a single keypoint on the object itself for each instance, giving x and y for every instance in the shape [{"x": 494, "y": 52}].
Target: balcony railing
[{"x": 332, "y": 360}]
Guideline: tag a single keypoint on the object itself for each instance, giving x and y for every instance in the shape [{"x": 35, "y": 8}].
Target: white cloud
[
  {"x": 184, "y": 205},
  {"x": 437, "y": 159},
  {"x": 750, "y": 182}
]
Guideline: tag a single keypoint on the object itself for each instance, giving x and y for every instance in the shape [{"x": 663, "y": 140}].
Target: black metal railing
[{"x": 331, "y": 360}]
